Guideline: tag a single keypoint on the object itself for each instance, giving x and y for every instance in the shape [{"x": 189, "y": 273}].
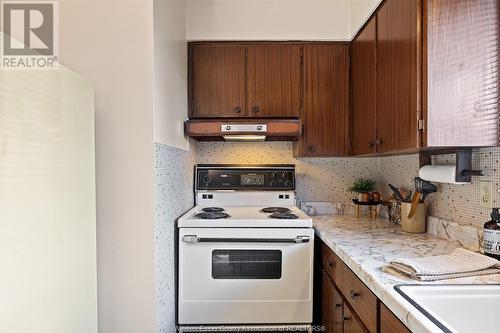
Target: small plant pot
[
  {"x": 376, "y": 196},
  {"x": 415, "y": 225},
  {"x": 363, "y": 197}
]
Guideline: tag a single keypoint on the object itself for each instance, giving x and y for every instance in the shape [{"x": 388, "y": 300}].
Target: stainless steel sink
[{"x": 457, "y": 308}]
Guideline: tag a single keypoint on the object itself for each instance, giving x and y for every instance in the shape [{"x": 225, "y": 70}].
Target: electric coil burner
[
  {"x": 212, "y": 215},
  {"x": 284, "y": 216},
  {"x": 275, "y": 210},
  {"x": 213, "y": 209},
  {"x": 245, "y": 253}
]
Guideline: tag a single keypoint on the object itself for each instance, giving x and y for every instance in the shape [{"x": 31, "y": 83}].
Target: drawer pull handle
[{"x": 354, "y": 294}]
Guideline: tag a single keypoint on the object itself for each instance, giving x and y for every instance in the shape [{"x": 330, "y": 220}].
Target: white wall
[
  {"x": 111, "y": 43},
  {"x": 360, "y": 11},
  {"x": 47, "y": 203},
  {"x": 268, "y": 20},
  {"x": 170, "y": 73}
]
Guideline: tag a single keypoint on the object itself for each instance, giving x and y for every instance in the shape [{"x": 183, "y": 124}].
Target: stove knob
[
  {"x": 228, "y": 128},
  {"x": 207, "y": 179}
]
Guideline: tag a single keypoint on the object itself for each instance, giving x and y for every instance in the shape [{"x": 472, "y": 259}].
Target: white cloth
[{"x": 459, "y": 263}]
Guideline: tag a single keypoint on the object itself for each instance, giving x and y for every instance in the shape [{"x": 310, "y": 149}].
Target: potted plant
[{"x": 363, "y": 187}]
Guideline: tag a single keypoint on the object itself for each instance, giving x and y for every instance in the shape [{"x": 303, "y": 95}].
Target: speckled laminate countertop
[{"x": 366, "y": 245}]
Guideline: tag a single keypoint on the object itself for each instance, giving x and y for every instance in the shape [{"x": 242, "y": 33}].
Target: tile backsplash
[
  {"x": 318, "y": 179},
  {"x": 327, "y": 179},
  {"x": 452, "y": 202},
  {"x": 174, "y": 196}
]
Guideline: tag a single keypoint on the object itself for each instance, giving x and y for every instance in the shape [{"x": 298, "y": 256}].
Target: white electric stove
[{"x": 245, "y": 252}]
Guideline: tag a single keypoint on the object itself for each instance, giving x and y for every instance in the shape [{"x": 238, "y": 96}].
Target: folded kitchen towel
[{"x": 459, "y": 263}]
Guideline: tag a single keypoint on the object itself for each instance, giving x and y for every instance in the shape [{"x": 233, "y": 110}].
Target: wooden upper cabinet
[
  {"x": 273, "y": 80},
  {"x": 217, "y": 81},
  {"x": 397, "y": 76},
  {"x": 364, "y": 90},
  {"x": 325, "y": 115}
]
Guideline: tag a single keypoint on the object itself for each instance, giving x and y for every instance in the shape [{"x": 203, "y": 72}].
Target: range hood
[{"x": 243, "y": 130}]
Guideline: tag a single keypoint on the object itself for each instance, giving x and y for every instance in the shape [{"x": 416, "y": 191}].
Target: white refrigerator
[{"x": 47, "y": 203}]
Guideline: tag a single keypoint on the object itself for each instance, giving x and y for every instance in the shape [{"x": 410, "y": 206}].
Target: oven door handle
[{"x": 196, "y": 239}]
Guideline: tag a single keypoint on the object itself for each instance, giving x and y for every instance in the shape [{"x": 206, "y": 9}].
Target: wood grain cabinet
[
  {"x": 389, "y": 323},
  {"x": 217, "y": 79},
  {"x": 364, "y": 90},
  {"x": 343, "y": 302},
  {"x": 273, "y": 80},
  {"x": 429, "y": 82},
  {"x": 397, "y": 66},
  {"x": 337, "y": 316},
  {"x": 325, "y": 114},
  {"x": 245, "y": 80},
  {"x": 385, "y": 81}
]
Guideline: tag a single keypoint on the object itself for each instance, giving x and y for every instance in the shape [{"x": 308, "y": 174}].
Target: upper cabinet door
[
  {"x": 217, "y": 75},
  {"x": 326, "y": 101},
  {"x": 364, "y": 90},
  {"x": 463, "y": 72},
  {"x": 273, "y": 80},
  {"x": 397, "y": 75}
]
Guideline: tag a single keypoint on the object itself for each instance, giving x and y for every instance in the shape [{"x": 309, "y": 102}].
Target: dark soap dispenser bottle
[{"x": 491, "y": 235}]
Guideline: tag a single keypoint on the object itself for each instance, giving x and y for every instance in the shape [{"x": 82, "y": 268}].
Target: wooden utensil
[
  {"x": 414, "y": 204},
  {"x": 419, "y": 185}
]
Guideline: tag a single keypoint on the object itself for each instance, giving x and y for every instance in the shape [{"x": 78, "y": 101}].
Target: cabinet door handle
[
  {"x": 331, "y": 264},
  {"x": 255, "y": 109},
  {"x": 237, "y": 109},
  {"x": 345, "y": 318},
  {"x": 371, "y": 144},
  {"x": 354, "y": 294},
  {"x": 310, "y": 149},
  {"x": 338, "y": 305},
  {"x": 379, "y": 142}
]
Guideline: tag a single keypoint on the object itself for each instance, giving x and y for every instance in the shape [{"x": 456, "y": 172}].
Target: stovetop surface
[{"x": 245, "y": 217}]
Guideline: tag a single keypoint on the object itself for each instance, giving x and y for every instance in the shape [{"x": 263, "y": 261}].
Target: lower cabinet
[
  {"x": 351, "y": 323},
  {"x": 389, "y": 323},
  {"x": 344, "y": 304},
  {"x": 336, "y": 316}
]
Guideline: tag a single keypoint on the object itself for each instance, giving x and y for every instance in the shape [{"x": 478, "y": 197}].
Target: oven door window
[{"x": 246, "y": 264}]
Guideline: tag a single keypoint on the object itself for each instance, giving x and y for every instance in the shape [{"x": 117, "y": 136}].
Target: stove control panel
[{"x": 242, "y": 177}]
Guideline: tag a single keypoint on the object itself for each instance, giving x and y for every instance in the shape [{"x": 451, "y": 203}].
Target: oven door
[{"x": 245, "y": 276}]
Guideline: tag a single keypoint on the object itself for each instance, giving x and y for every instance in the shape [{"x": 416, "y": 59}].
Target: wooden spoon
[{"x": 414, "y": 204}]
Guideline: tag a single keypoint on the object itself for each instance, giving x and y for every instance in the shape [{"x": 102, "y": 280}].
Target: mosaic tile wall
[
  {"x": 174, "y": 196},
  {"x": 327, "y": 179},
  {"x": 457, "y": 203},
  {"x": 318, "y": 179}
]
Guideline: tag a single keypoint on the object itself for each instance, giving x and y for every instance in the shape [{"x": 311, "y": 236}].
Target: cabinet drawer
[
  {"x": 361, "y": 299},
  {"x": 329, "y": 261}
]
